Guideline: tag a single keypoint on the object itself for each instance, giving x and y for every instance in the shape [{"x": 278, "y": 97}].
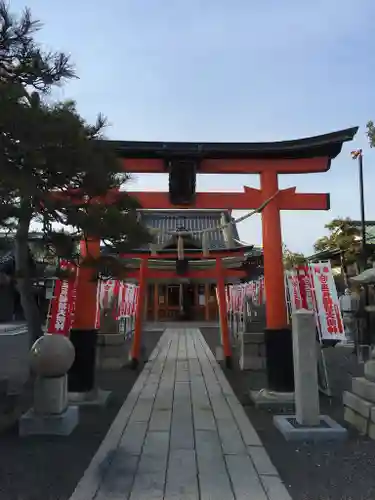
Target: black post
[
  {"x": 279, "y": 359},
  {"x": 81, "y": 376},
  {"x": 366, "y": 338}
]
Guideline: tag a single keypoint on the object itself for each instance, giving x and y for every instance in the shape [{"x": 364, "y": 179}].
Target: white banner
[
  {"x": 327, "y": 302},
  {"x": 107, "y": 291}
]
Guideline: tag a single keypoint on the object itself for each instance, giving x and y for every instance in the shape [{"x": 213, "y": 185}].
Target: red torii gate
[
  {"x": 219, "y": 273},
  {"x": 269, "y": 160}
]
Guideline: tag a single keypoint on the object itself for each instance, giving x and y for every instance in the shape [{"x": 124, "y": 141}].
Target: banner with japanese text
[
  {"x": 109, "y": 290},
  {"x": 327, "y": 302},
  {"x": 62, "y": 304},
  {"x": 235, "y": 294},
  {"x": 128, "y": 295},
  {"x": 309, "y": 287},
  {"x": 312, "y": 287},
  {"x": 306, "y": 286},
  {"x": 293, "y": 285}
]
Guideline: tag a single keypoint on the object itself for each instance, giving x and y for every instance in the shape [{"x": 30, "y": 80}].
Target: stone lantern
[{"x": 51, "y": 357}]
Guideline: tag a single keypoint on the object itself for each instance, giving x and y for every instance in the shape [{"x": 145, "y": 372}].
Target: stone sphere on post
[{"x": 52, "y": 355}]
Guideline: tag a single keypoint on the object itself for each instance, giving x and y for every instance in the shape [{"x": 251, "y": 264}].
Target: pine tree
[{"x": 49, "y": 149}]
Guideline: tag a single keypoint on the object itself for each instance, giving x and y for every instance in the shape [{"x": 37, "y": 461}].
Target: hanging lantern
[
  {"x": 205, "y": 248},
  {"x": 180, "y": 248}
]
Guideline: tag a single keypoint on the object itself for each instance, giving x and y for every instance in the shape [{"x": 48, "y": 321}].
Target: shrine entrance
[
  {"x": 182, "y": 162},
  {"x": 182, "y": 302}
]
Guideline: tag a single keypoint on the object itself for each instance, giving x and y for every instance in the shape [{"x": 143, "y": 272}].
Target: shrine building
[{"x": 193, "y": 299}]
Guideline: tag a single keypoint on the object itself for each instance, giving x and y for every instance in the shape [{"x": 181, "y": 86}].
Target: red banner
[
  {"x": 127, "y": 299},
  {"x": 294, "y": 290},
  {"x": 62, "y": 304},
  {"x": 235, "y": 294},
  {"x": 318, "y": 293},
  {"x": 306, "y": 287}
]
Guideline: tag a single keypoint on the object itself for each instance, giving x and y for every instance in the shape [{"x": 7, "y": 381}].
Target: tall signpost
[{"x": 358, "y": 155}]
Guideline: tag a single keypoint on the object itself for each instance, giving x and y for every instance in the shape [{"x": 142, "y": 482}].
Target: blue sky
[{"x": 214, "y": 70}]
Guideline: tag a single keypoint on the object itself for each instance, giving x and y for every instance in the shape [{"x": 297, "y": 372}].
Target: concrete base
[
  {"x": 32, "y": 424},
  {"x": 97, "y": 397},
  {"x": 329, "y": 430},
  {"x": 219, "y": 353},
  {"x": 359, "y": 405},
  {"x": 274, "y": 401},
  {"x": 112, "y": 351},
  {"x": 356, "y": 420},
  {"x": 252, "y": 363}
]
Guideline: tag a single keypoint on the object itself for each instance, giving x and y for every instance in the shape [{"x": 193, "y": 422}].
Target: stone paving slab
[{"x": 181, "y": 435}]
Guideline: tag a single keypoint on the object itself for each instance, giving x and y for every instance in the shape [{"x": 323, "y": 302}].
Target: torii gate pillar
[
  {"x": 81, "y": 376},
  {"x": 273, "y": 254}
]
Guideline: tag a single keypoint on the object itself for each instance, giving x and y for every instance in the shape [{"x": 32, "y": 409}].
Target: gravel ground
[
  {"x": 49, "y": 468},
  {"x": 324, "y": 471}
]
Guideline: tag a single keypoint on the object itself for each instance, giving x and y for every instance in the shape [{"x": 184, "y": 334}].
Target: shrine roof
[
  {"x": 190, "y": 220},
  {"x": 327, "y": 145}
]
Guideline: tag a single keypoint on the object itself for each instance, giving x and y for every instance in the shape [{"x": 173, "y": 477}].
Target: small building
[
  {"x": 180, "y": 298},
  {"x": 173, "y": 298}
]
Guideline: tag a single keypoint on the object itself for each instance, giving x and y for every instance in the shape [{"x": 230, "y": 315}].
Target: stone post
[
  {"x": 305, "y": 368},
  {"x": 307, "y": 424},
  {"x": 50, "y": 357}
]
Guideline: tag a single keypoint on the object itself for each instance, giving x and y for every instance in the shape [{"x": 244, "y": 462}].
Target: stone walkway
[{"x": 181, "y": 434}]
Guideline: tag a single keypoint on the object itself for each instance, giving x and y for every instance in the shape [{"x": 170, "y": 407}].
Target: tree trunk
[{"x": 25, "y": 281}]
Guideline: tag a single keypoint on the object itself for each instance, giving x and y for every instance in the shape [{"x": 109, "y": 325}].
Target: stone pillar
[
  {"x": 307, "y": 424},
  {"x": 50, "y": 395},
  {"x": 305, "y": 368}
]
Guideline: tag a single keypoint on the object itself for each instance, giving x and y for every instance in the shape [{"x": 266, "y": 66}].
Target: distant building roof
[
  {"x": 324, "y": 255},
  {"x": 190, "y": 220},
  {"x": 369, "y": 227},
  {"x": 334, "y": 253}
]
